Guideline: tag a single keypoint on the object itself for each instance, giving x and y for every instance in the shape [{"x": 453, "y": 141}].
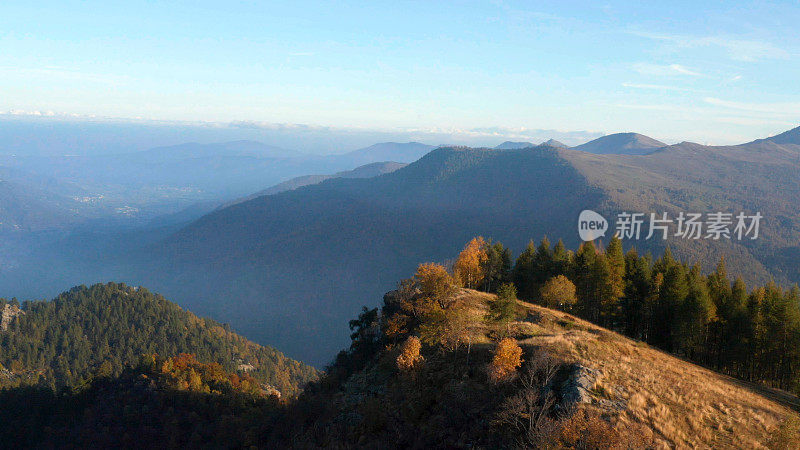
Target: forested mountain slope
[
  {"x": 299, "y": 263},
  {"x": 64, "y": 341}
]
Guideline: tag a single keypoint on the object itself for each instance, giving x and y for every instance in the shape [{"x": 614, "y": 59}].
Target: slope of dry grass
[{"x": 669, "y": 401}]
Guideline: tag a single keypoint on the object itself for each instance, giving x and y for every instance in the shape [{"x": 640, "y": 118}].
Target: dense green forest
[
  {"x": 63, "y": 342},
  {"x": 156, "y": 403}
]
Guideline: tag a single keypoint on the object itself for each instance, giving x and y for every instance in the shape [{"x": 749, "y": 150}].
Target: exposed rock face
[
  {"x": 7, "y": 314},
  {"x": 578, "y": 385}
]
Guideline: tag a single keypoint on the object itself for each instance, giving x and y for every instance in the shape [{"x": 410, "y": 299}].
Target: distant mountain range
[
  {"x": 365, "y": 171},
  {"x": 289, "y": 267},
  {"x": 176, "y": 180},
  {"x": 508, "y": 145},
  {"x": 387, "y": 151},
  {"x": 164, "y": 180},
  {"x": 312, "y": 256}
]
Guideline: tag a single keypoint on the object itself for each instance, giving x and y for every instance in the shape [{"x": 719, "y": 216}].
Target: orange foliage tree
[
  {"x": 436, "y": 285},
  {"x": 507, "y": 358},
  {"x": 469, "y": 268},
  {"x": 409, "y": 354},
  {"x": 184, "y": 372}
]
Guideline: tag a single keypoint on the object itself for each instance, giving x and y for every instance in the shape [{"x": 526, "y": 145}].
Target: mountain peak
[
  {"x": 621, "y": 144},
  {"x": 554, "y": 143},
  {"x": 508, "y": 145}
]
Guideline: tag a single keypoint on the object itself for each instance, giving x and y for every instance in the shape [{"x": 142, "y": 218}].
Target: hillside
[
  {"x": 365, "y": 171},
  {"x": 791, "y": 138},
  {"x": 691, "y": 177},
  {"x": 25, "y": 207},
  {"x": 674, "y": 402},
  {"x": 62, "y": 342},
  {"x": 577, "y": 386},
  {"x": 353, "y": 238}
]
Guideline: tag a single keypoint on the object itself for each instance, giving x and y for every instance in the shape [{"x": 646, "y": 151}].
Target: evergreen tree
[
  {"x": 524, "y": 273},
  {"x": 672, "y": 294},
  {"x": 636, "y": 304}
]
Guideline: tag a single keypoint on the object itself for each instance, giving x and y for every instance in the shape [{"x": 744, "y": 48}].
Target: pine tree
[
  {"x": 636, "y": 303},
  {"x": 616, "y": 282},
  {"x": 523, "y": 273},
  {"x": 504, "y": 308},
  {"x": 583, "y": 276},
  {"x": 672, "y": 294},
  {"x": 694, "y": 315}
]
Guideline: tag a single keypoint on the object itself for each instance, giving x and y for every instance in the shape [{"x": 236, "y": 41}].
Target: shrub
[
  {"x": 507, "y": 358},
  {"x": 409, "y": 354}
]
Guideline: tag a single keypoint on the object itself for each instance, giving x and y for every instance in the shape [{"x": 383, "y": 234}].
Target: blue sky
[{"x": 723, "y": 72}]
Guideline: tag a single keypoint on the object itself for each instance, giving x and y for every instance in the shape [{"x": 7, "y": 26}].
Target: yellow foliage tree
[
  {"x": 558, "y": 292},
  {"x": 409, "y": 354},
  {"x": 470, "y": 265},
  {"x": 447, "y": 328},
  {"x": 507, "y": 358},
  {"x": 435, "y": 284}
]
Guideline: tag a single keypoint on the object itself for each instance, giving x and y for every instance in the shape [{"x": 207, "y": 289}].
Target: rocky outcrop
[
  {"x": 578, "y": 386},
  {"x": 7, "y": 314}
]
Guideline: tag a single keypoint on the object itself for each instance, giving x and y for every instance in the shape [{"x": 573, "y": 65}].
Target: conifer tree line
[{"x": 750, "y": 333}]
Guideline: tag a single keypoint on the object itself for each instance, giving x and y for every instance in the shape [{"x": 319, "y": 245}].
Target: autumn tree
[
  {"x": 409, "y": 354},
  {"x": 446, "y": 328},
  {"x": 436, "y": 285},
  {"x": 469, "y": 267},
  {"x": 507, "y": 358},
  {"x": 558, "y": 292}
]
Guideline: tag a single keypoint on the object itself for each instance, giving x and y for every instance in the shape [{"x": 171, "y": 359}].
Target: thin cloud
[
  {"x": 737, "y": 49},
  {"x": 779, "y": 108},
  {"x": 658, "y": 87},
  {"x": 665, "y": 70}
]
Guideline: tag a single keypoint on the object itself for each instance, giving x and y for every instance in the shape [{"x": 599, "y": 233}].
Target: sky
[{"x": 717, "y": 73}]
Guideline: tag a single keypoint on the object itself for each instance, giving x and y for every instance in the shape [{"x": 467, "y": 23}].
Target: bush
[
  {"x": 409, "y": 357},
  {"x": 507, "y": 358}
]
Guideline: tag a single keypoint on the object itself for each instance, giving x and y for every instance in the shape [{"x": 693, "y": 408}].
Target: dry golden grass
[{"x": 665, "y": 399}]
